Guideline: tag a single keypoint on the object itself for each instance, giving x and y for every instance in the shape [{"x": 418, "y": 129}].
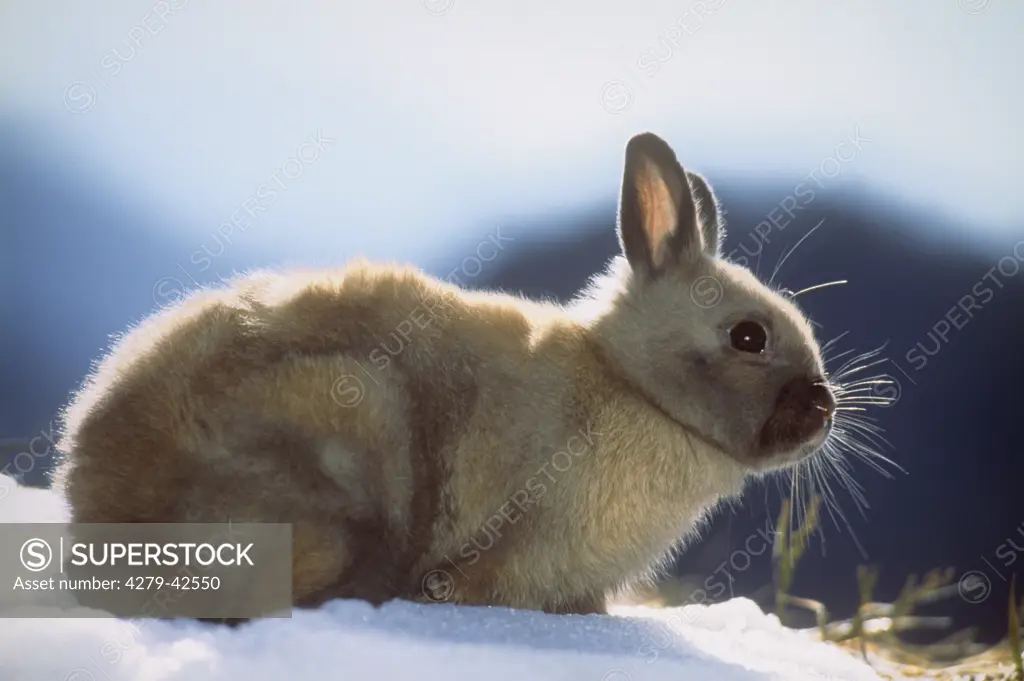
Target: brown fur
[{"x": 435, "y": 444}]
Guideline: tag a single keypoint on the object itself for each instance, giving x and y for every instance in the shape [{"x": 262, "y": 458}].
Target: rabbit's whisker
[
  {"x": 819, "y": 286},
  {"x": 790, "y": 252}
]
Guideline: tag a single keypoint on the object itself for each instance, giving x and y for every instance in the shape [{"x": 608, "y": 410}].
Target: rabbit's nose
[
  {"x": 821, "y": 398},
  {"x": 804, "y": 412},
  {"x": 806, "y": 394}
]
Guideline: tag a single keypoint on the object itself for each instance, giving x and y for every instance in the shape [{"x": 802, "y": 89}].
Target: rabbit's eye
[{"x": 748, "y": 336}]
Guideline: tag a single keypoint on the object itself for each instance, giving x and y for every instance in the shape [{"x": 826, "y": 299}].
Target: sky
[{"x": 441, "y": 118}]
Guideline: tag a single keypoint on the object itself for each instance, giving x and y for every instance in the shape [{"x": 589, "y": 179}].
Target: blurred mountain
[{"x": 81, "y": 261}]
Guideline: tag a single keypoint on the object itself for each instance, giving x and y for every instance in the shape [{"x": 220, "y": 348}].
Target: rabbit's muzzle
[{"x": 802, "y": 417}]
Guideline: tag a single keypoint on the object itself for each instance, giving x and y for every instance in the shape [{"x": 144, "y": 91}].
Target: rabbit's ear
[
  {"x": 711, "y": 223},
  {"x": 658, "y": 223}
]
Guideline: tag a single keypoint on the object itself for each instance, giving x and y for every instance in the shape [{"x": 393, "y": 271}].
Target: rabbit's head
[{"x": 725, "y": 356}]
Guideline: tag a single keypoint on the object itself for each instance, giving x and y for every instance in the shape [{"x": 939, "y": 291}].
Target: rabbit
[{"x": 513, "y": 452}]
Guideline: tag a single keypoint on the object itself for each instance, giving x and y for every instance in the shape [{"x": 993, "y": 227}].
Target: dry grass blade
[{"x": 1013, "y": 636}]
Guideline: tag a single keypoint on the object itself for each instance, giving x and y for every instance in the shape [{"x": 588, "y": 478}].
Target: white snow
[{"x": 732, "y": 641}]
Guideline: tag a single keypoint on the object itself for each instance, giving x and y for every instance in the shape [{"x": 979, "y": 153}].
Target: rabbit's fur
[{"x": 511, "y": 452}]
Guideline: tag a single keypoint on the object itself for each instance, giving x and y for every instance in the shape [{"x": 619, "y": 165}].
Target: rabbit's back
[{"x": 297, "y": 397}]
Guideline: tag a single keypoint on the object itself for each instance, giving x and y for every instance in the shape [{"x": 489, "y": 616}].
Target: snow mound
[{"x": 732, "y": 641}]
